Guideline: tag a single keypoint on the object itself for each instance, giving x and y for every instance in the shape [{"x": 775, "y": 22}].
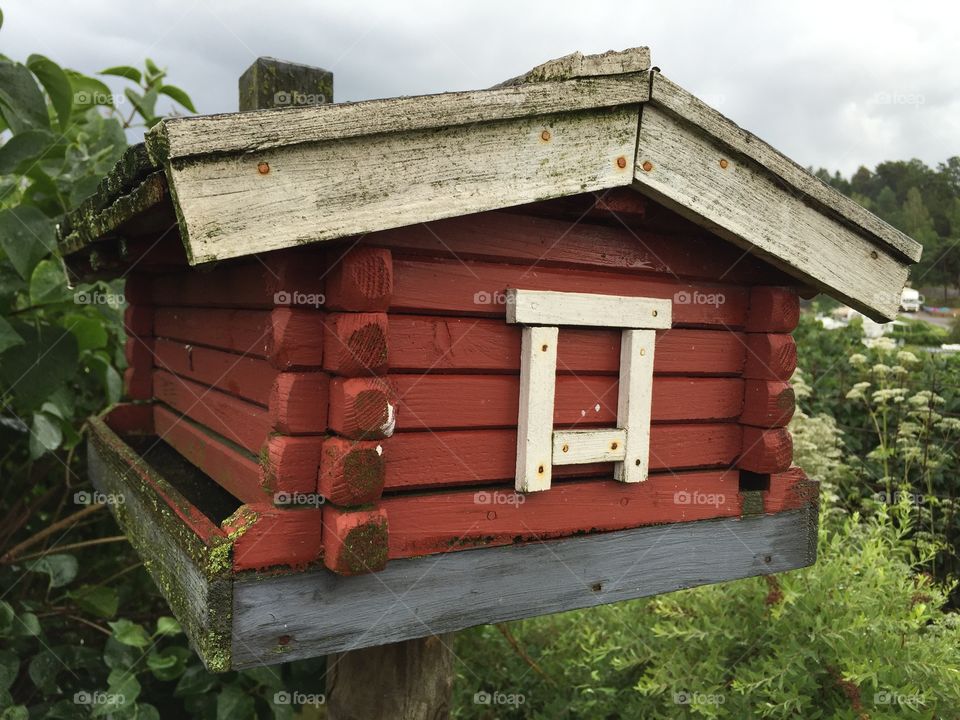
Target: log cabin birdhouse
[{"x": 404, "y": 366}]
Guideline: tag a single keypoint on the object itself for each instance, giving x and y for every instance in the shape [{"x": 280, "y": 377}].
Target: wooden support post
[{"x": 411, "y": 680}]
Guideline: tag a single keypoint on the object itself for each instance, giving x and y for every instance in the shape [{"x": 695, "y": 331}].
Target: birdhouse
[{"x": 400, "y": 367}]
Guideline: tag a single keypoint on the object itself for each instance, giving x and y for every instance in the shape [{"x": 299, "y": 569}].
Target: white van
[{"x": 911, "y": 300}]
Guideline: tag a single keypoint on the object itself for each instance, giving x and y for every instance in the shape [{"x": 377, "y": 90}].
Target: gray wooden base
[
  {"x": 321, "y": 613},
  {"x": 237, "y": 621}
]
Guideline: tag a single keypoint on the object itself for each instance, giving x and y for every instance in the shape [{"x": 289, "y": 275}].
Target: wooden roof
[{"x": 243, "y": 183}]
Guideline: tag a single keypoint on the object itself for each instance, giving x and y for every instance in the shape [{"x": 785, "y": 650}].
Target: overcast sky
[{"x": 835, "y": 84}]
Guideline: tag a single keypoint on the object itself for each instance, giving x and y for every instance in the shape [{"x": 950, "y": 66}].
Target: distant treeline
[{"x": 922, "y": 202}]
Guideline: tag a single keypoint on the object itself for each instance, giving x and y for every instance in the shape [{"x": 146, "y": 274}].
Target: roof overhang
[{"x": 244, "y": 183}]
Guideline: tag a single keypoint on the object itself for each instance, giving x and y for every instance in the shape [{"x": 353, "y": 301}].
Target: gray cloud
[{"x": 829, "y": 83}]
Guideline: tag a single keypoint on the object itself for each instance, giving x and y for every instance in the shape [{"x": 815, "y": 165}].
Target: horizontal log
[
  {"x": 443, "y": 522},
  {"x": 441, "y": 344},
  {"x": 579, "y": 447},
  {"x": 360, "y": 279},
  {"x": 773, "y": 309},
  {"x": 290, "y": 278},
  {"x": 352, "y": 472},
  {"x": 355, "y": 344},
  {"x": 242, "y": 375},
  {"x": 626, "y": 242},
  {"x": 439, "y": 402},
  {"x": 234, "y": 469},
  {"x": 138, "y": 351},
  {"x": 355, "y": 541},
  {"x": 287, "y": 337},
  {"x": 476, "y": 288},
  {"x": 265, "y": 536},
  {"x": 766, "y": 451},
  {"x": 790, "y": 490},
  {"x": 138, "y": 320},
  {"x": 767, "y": 403},
  {"x": 770, "y": 356},
  {"x": 138, "y": 289},
  {"x": 298, "y": 403},
  {"x": 290, "y": 464},
  {"x": 237, "y": 420},
  {"x": 416, "y": 460},
  {"x": 542, "y": 307}
]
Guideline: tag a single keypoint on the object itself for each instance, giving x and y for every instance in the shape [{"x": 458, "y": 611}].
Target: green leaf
[
  {"x": 9, "y": 668},
  {"x": 124, "y": 71},
  {"x": 26, "y": 236},
  {"x": 57, "y": 85},
  {"x": 7, "y": 616},
  {"x": 16, "y": 712},
  {"x": 168, "y": 626},
  {"x": 8, "y": 336},
  {"x": 130, "y": 633},
  {"x": 45, "y": 434},
  {"x": 169, "y": 663},
  {"x": 97, "y": 600},
  {"x": 90, "y": 332},
  {"x": 116, "y": 655},
  {"x": 21, "y": 102},
  {"x": 62, "y": 569},
  {"x": 25, "y": 149},
  {"x": 45, "y": 362},
  {"x": 152, "y": 69},
  {"x": 27, "y": 625},
  {"x": 172, "y": 91},
  {"x": 48, "y": 283},
  {"x": 234, "y": 703},
  {"x": 195, "y": 681},
  {"x": 123, "y": 689},
  {"x": 43, "y": 670},
  {"x": 88, "y": 92}
]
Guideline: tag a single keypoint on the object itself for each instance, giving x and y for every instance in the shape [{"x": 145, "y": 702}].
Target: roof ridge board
[
  {"x": 259, "y": 130},
  {"x": 667, "y": 94},
  {"x": 578, "y": 65}
]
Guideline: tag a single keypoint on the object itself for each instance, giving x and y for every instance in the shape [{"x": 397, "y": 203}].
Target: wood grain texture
[
  {"x": 769, "y": 356},
  {"x": 251, "y": 378},
  {"x": 320, "y": 613},
  {"x": 298, "y": 403},
  {"x": 253, "y": 132},
  {"x": 285, "y": 279},
  {"x": 634, "y": 399},
  {"x": 362, "y": 408},
  {"x": 538, "y": 373},
  {"x": 360, "y": 279},
  {"x": 355, "y": 541},
  {"x": 679, "y": 165},
  {"x": 424, "y": 402},
  {"x": 532, "y": 307},
  {"x": 290, "y": 464},
  {"x": 578, "y": 65},
  {"x": 233, "y": 468},
  {"x": 473, "y": 288},
  {"x": 580, "y": 447},
  {"x": 451, "y": 521},
  {"x": 768, "y": 403},
  {"x": 773, "y": 309},
  {"x": 766, "y": 451},
  {"x": 790, "y": 490},
  {"x": 289, "y": 338},
  {"x": 355, "y": 344},
  {"x": 416, "y": 460},
  {"x": 265, "y": 537},
  {"x": 600, "y": 232},
  {"x": 229, "y": 207},
  {"x": 451, "y": 344},
  {"x": 352, "y": 472},
  {"x": 669, "y": 95}
]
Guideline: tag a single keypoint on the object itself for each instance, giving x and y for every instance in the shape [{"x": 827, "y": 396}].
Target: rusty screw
[
  {"x": 873, "y": 254},
  {"x": 263, "y": 167},
  {"x": 544, "y": 348},
  {"x": 565, "y": 448},
  {"x": 540, "y": 470},
  {"x": 647, "y": 165},
  {"x": 614, "y": 446},
  {"x": 545, "y": 136},
  {"x": 723, "y": 163},
  {"x": 621, "y": 162},
  {"x": 491, "y": 515},
  {"x": 654, "y": 313}
]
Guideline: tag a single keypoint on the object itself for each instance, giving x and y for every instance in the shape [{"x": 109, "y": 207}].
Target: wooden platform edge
[
  {"x": 313, "y": 613},
  {"x": 195, "y": 578}
]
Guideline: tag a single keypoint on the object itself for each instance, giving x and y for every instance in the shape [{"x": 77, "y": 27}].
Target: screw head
[
  {"x": 647, "y": 166},
  {"x": 545, "y": 136},
  {"x": 723, "y": 163},
  {"x": 263, "y": 167},
  {"x": 621, "y": 162},
  {"x": 565, "y": 448}
]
